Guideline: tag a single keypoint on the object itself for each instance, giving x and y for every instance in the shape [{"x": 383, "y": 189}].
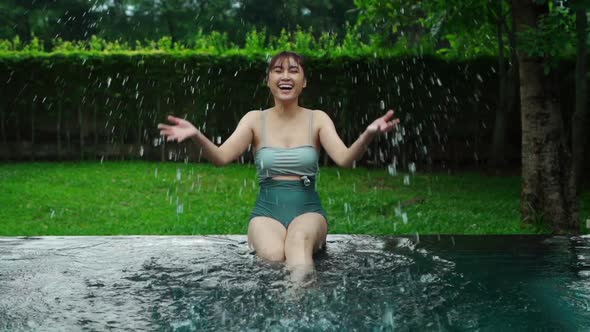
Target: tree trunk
[
  {"x": 59, "y": 106},
  {"x": 95, "y": 129},
  {"x": 163, "y": 146},
  {"x": 17, "y": 128},
  {"x": 514, "y": 86},
  {"x": 6, "y": 156},
  {"x": 513, "y": 82},
  {"x": 171, "y": 26},
  {"x": 3, "y": 126},
  {"x": 548, "y": 186},
  {"x": 33, "y": 129},
  {"x": 579, "y": 118},
  {"x": 499, "y": 136},
  {"x": 81, "y": 127}
]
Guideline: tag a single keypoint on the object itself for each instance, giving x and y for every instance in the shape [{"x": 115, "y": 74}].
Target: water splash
[
  {"x": 391, "y": 169},
  {"x": 406, "y": 180}
]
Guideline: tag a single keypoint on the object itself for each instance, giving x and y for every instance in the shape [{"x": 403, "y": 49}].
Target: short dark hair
[{"x": 278, "y": 58}]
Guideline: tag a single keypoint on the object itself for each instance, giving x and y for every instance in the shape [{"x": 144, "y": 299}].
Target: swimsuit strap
[
  {"x": 263, "y": 129},
  {"x": 311, "y": 127}
]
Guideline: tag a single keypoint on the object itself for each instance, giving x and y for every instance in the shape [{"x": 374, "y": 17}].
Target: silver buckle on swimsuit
[{"x": 306, "y": 180}]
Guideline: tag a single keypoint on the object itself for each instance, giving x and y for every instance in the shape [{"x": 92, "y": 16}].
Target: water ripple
[{"x": 440, "y": 283}]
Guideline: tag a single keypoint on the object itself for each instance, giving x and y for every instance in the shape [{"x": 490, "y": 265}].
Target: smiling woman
[{"x": 288, "y": 221}]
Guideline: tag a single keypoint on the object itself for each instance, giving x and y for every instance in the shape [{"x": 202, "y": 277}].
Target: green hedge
[
  {"x": 99, "y": 99},
  {"x": 119, "y": 97}
]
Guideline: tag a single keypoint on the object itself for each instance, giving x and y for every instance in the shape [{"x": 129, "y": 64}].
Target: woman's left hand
[{"x": 383, "y": 124}]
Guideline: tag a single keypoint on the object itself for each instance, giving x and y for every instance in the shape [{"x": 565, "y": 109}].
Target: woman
[{"x": 288, "y": 221}]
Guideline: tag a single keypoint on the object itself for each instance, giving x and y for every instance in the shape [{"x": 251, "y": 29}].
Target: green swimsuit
[{"x": 284, "y": 200}]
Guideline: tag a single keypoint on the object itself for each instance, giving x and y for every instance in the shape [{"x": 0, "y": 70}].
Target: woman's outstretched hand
[
  {"x": 178, "y": 131},
  {"x": 383, "y": 124}
]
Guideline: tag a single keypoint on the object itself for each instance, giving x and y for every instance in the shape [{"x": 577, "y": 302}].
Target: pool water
[{"x": 362, "y": 283}]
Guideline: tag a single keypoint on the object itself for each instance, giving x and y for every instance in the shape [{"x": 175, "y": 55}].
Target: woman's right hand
[{"x": 178, "y": 131}]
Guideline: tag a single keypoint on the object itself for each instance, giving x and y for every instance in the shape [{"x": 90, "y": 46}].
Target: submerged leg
[{"x": 305, "y": 236}]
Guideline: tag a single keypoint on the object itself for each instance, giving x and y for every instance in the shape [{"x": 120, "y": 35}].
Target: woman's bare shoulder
[
  {"x": 253, "y": 115},
  {"x": 321, "y": 116}
]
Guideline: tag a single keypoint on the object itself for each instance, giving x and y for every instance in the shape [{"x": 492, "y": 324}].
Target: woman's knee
[
  {"x": 298, "y": 236},
  {"x": 275, "y": 254},
  {"x": 267, "y": 238}
]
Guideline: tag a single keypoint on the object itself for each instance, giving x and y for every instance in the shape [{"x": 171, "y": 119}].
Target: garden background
[{"x": 83, "y": 85}]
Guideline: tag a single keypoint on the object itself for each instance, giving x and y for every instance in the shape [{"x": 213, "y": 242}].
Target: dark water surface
[{"x": 363, "y": 283}]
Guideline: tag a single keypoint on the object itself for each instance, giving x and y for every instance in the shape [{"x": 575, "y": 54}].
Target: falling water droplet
[
  {"x": 392, "y": 170},
  {"x": 388, "y": 321},
  {"x": 407, "y": 180}
]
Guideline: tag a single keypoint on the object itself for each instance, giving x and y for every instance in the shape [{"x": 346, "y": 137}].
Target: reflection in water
[{"x": 442, "y": 283}]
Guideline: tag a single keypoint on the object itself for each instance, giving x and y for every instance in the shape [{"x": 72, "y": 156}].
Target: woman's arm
[
  {"x": 345, "y": 156},
  {"x": 229, "y": 151}
]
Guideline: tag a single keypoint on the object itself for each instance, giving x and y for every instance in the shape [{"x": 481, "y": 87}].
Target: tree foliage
[
  {"x": 454, "y": 27},
  {"x": 181, "y": 20}
]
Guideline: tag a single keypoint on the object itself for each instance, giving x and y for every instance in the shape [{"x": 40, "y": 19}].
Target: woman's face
[{"x": 286, "y": 79}]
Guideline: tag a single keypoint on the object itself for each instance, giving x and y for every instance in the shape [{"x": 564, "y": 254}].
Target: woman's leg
[
  {"x": 267, "y": 237},
  {"x": 306, "y": 235}
]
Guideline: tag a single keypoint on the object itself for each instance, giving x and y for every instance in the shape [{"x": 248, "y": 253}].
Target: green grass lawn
[{"x": 111, "y": 198}]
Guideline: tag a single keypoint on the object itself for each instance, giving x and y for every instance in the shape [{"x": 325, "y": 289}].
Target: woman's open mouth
[{"x": 286, "y": 86}]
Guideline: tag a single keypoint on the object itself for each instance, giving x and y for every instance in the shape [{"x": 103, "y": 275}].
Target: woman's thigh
[
  {"x": 267, "y": 237},
  {"x": 311, "y": 227}
]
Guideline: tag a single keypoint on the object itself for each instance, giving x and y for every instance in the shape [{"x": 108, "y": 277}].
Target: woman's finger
[
  {"x": 388, "y": 127},
  {"x": 173, "y": 119},
  {"x": 387, "y": 115}
]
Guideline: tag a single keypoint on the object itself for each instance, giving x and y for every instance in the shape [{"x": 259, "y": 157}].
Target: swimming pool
[{"x": 438, "y": 283}]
